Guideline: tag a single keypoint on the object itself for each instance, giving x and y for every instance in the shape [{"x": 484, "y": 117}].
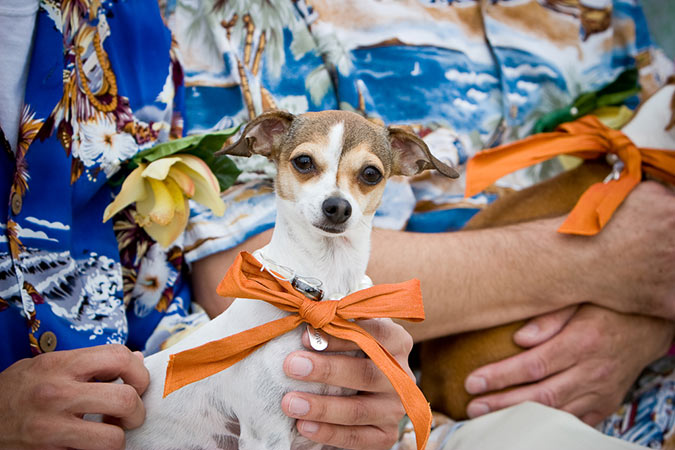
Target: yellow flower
[
  {"x": 161, "y": 190},
  {"x": 613, "y": 116}
]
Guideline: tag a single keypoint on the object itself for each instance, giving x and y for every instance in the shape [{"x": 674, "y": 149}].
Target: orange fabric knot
[
  {"x": 318, "y": 314},
  {"x": 586, "y": 138},
  {"x": 245, "y": 279}
]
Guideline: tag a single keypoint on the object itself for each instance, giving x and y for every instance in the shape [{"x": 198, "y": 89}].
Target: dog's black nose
[{"x": 337, "y": 209}]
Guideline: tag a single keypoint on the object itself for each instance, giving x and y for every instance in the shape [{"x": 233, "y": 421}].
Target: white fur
[
  {"x": 648, "y": 127},
  {"x": 250, "y": 392},
  {"x": 334, "y": 149}
]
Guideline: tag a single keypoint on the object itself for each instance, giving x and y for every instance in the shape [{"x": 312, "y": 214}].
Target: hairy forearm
[
  {"x": 477, "y": 279},
  {"x": 470, "y": 280}
]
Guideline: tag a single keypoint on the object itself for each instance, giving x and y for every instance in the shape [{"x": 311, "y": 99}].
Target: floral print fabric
[{"x": 104, "y": 83}]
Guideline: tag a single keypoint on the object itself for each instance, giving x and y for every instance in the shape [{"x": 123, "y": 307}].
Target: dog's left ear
[
  {"x": 262, "y": 135},
  {"x": 413, "y": 155}
]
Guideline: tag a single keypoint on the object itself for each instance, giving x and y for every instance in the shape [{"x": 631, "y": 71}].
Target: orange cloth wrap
[
  {"x": 246, "y": 280},
  {"x": 586, "y": 138}
]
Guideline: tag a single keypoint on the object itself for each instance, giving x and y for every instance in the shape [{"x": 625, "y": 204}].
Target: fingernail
[
  {"x": 299, "y": 366},
  {"x": 309, "y": 427},
  {"x": 477, "y": 409},
  {"x": 298, "y": 406},
  {"x": 139, "y": 355},
  {"x": 475, "y": 384},
  {"x": 529, "y": 331}
]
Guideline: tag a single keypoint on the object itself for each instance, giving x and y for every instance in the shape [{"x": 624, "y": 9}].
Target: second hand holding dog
[
  {"x": 367, "y": 420},
  {"x": 574, "y": 362}
]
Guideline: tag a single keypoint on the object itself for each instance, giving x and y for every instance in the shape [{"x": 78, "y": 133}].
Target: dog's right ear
[{"x": 262, "y": 135}]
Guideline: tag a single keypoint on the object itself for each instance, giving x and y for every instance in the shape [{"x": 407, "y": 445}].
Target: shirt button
[
  {"x": 48, "y": 342},
  {"x": 17, "y": 203}
]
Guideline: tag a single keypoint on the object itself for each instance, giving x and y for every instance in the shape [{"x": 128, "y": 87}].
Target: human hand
[
  {"x": 581, "y": 361},
  {"x": 367, "y": 420},
  {"x": 44, "y": 399},
  {"x": 631, "y": 260}
]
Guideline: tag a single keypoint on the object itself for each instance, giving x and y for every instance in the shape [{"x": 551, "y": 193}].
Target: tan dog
[{"x": 446, "y": 362}]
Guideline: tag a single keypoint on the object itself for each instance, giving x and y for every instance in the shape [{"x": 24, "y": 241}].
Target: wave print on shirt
[{"x": 87, "y": 293}]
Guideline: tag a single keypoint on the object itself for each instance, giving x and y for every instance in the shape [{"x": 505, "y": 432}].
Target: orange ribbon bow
[
  {"x": 586, "y": 138},
  {"x": 246, "y": 279}
]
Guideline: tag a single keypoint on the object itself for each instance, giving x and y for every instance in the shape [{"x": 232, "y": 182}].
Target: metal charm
[
  {"x": 617, "y": 168},
  {"x": 317, "y": 341},
  {"x": 311, "y": 292}
]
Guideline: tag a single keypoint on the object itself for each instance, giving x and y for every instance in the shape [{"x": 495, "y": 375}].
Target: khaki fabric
[{"x": 531, "y": 426}]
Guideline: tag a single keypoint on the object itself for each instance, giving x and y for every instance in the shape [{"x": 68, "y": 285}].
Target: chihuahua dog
[
  {"x": 446, "y": 362},
  {"x": 331, "y": 172}
]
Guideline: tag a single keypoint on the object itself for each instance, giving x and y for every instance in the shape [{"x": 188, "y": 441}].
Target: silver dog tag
[
  {"x": 617, "y": 168},
  {"x": 317, "y": 341},
  {"x": 311, "y": 289}
]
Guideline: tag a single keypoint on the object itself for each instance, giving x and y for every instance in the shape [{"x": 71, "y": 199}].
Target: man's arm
[{"x": 477, "y": 279}]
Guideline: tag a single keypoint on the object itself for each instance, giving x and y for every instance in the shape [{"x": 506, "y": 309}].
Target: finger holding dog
[
  {"x": 339, "y": 370},
  {"x": 350, "y": 372},
  {"x": 366, "y": 438},
  {"x": 109, "y": 363},
  {"x": 591, "y": 362},
  {"x": 55, "y": 390},
  {"x": 359, "y": 410},
  {"x": 542, "y": 362}
]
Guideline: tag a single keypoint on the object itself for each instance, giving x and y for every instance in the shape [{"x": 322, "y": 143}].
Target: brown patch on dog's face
[
  {"x": 289, "y": 177},
  {"x": 362, "y": 173}
]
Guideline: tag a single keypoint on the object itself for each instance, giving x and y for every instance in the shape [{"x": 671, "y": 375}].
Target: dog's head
[{"x": 332, "y": 166}]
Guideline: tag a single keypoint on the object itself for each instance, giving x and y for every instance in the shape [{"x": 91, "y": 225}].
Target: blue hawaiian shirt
[{"x": 104, "y": 83}]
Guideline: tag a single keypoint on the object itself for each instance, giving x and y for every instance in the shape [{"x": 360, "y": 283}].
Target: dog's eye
[
  {"x": 303, "y": 163},
  {"x": 371, "y": 175}
]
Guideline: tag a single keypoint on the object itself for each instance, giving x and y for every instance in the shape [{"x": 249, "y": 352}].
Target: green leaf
[
  {"x": 617, "y": 98},
  {"x": 225, "y": 171},
  {"x": 211, "y": 142},
  {"x": 627, "y": 80},
  {"x": 200, "y": 145},
  {"x": 613, "y": 94},
  {"x": 223, "y": 168}
]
